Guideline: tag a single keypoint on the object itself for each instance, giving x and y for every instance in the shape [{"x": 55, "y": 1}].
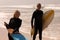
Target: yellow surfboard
[{"x": 47, "y": 19}]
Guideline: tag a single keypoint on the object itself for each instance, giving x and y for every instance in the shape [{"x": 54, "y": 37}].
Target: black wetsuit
[
  {"x": 37, "y": 19},
  {"x": 15, "y": 23}
]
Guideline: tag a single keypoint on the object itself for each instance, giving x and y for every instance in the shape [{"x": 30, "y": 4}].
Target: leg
[
  {"x": 40, "y": 33},
  {"x": 35, "y": 33},
  {"x": 10, "y": 38}
]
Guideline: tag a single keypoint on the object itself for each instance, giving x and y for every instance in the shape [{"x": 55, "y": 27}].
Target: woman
[{"x": 14, "y": 24}]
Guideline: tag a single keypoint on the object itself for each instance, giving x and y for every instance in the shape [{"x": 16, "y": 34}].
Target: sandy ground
[
  {"x": 4, "y": 35},
  {"x": 52, "y": 32}
]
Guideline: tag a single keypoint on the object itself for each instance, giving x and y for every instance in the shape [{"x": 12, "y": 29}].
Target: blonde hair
[{"x": 16, "y": 12}]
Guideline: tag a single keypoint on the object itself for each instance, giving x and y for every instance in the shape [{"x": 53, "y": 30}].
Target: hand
[
  {"x": 10, "y": 31},
  {"x": 5, "y": 23},
  {"x": 32, "y": 26},
  {"x": 32, "y": 32}
]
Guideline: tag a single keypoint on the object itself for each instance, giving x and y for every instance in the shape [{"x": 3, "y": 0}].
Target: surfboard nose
[
  {"x": 18, "y": 37},
  {"x": 47, "y": 18}
]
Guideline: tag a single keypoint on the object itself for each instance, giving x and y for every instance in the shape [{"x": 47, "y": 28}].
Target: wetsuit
[
  {"x": 14, "y": 23},
  {"x": 37, "y": 19}
]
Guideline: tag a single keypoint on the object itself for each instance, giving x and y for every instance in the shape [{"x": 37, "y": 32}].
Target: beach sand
[
  {"x": 52, "y": 32},
  {"x": 4, "y": 35}
]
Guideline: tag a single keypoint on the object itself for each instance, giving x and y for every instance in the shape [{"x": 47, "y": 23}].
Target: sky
[{"x": 28, "y": 2}]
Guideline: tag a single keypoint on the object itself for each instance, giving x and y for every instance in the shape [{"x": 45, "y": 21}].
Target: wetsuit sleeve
[
  {"x": 33, "y": 16},
  {"x": 42, "y": 18},
  {"x": 10, "y": 22},
  {"x": 20, "y": 23},
  {"x": 42, "y": 15},
  {"x": 7, "y": 25}
]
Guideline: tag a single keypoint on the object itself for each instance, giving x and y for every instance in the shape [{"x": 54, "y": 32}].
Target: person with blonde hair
[{"x": 14, "y": 24}]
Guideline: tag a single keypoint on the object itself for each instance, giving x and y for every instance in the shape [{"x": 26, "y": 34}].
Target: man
[
  {"x": 37, "y": 19},
  {"x": 14, "y": 24}
]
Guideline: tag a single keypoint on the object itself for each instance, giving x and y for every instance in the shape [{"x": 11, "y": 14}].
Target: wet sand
[
  {"x": 4, "y": 35},
  {"x": 52, "y": 32}
]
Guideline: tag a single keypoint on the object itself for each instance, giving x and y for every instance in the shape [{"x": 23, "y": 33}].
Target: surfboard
[
  {"x": 18, "y": 36},
  {"x": 47, "y": 19},
  {"x": 32, "y": 32}
]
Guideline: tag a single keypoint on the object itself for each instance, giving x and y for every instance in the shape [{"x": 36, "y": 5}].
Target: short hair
[{"x": 39, "y": 4}]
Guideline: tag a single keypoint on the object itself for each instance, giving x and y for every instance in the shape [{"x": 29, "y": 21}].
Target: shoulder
[
  {"x": 20, "y": 20},
  {"x": 41, "y": 10},
  {"x": 11, "y": 18},
  {"x": 34, "y": 11}
]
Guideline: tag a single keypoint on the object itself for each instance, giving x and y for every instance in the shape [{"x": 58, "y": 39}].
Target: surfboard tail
[{"x": 32, "y": 32}]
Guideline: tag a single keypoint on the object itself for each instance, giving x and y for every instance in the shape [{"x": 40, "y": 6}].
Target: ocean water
[{"x": 52, "y": 31}]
